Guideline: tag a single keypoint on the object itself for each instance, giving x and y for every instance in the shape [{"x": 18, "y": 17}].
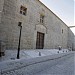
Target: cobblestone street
[
  {"x": 60, "y": 64},
  {"x": 64, "y": 66}
]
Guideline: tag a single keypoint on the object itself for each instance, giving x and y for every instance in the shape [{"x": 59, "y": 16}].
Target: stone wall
[
  {"x": 70, "y": 39},
  {"x": 52, "y": 27},
  {"x": 74, "y": 43},
  {"x": 1, "y": 8}
]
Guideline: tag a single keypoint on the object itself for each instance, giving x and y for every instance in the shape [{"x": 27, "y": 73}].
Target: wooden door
[{"x": 40, "y": 40}]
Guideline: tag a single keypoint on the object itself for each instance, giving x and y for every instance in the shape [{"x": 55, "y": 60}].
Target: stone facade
[
  {"x": 55, "y": 30},
  {"x": 70, "y": 40},
  {"x": 74, "y": 43}
]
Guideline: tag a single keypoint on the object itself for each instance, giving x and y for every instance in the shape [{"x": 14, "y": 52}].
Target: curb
[{"x": 15, "y": 65}]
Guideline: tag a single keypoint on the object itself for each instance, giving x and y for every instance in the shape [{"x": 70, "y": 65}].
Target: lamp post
[{"x": 18, "y": 53}]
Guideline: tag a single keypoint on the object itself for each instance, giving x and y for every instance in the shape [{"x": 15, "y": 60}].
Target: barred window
[
  {"x": 23, "y": 10},
  {"x": 42, "y": 19}
]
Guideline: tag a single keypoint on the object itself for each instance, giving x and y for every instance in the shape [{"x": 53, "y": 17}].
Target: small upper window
[
  {"x": 42, "y": 19},
  {"x": 62, "y": 31},
  {"x": 23, "y": 10}
]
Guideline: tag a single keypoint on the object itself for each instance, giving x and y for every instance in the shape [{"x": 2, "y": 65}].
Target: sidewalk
[
  {"x": 29, "y": 66},
  {"x": 27, "y": 54}
]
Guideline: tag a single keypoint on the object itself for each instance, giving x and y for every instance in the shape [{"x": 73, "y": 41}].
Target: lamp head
[{"x": 19, "y": 24}]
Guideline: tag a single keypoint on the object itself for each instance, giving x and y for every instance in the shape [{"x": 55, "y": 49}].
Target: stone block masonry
[{"x": 55, "y": 31}]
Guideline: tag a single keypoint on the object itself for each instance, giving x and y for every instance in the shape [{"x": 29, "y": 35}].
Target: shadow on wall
[{"x": 2, "y": 48}]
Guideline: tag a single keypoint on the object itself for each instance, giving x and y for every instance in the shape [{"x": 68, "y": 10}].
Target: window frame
[
  {"x": 42, "y": 19},
  {"x": 23, "y": 10}
]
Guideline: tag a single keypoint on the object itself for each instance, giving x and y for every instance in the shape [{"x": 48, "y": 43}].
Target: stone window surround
[
  {"x": 42, "y": 18},
  {"x": 23, "y": 10},
  {"x": 62, "y": 31}
]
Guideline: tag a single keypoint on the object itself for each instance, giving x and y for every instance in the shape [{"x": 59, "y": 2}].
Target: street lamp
[{"x": 18, "y": 53}]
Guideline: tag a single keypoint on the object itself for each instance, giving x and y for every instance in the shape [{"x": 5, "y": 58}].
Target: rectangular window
[
  {"x": 23, "y": 10},
  {"x": 42, "y": 19},
  {"x": 62, "y": 31}
]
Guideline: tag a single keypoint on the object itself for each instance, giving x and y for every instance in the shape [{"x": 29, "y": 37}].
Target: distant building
[
  {"x": 41, "y": 28},
  {"x": 74, "y": 43}
]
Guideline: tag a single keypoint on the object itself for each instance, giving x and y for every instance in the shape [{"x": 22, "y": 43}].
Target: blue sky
[{"x": 64, "y": 9}]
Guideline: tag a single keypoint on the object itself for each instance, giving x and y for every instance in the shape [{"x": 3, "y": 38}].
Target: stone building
[
  {"x": 71, "y": 40},
  {"x": 74, "y": 44},
  {"x": 41, "y": 28}
]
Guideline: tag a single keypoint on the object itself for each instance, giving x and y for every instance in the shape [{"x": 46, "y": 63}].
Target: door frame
[{"x": 40, "y": 40}]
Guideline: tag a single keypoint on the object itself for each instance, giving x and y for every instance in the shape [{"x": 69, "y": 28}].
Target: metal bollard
[
  {"x": 39, "y": 53},
  {"x": 58, "y": 52}
]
